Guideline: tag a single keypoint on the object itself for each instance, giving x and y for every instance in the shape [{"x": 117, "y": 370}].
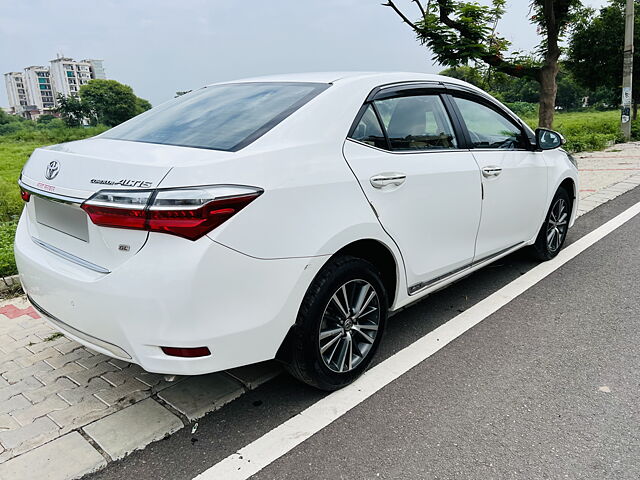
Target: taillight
[
  {"x": 186, "y": 212},
  {"x": 26, "y": 196}
]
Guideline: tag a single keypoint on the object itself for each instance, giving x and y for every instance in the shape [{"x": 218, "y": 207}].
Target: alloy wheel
[
  {"x": 557, "y": 225},
  {"x": 349, "y": 326}
]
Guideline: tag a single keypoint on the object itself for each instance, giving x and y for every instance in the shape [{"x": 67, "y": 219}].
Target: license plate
[{"x": 63, "y": 218}]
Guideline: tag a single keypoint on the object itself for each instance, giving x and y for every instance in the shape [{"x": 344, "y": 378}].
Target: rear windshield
[{"x": 221, "y": 117}]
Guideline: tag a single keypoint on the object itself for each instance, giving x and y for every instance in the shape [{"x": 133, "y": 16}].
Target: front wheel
[
  {"x": 340, "y": 324},
  {"x": 554, "y": 229}
]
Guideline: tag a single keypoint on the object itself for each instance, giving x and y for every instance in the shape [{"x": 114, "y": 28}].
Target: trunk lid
[{"x": 73, "y": 172}]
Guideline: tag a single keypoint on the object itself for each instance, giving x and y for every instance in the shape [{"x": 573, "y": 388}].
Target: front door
[
  {"x": 425, "y": 190},
  {"x": 514, "y": 178}
]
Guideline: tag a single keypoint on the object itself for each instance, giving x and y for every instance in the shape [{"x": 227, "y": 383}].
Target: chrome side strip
[
  {"x": 50, "y": 195},
  {"x": 422, "y": 285},
  {"x": 70, "y": 257},
  {"x": 413, "y": 289},
  {"x": 497, "y": 254},
  {"x": 110, "y": 347}
]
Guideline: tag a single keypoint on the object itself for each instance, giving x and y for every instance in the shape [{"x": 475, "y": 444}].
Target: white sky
[{"x": 160, "y": 46}]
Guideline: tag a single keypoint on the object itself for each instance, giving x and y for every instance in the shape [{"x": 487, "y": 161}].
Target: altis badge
[{"x": 123, "y": 183}]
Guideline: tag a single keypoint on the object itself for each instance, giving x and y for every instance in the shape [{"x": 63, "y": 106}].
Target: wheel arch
[{"x": 378, "y": 254}]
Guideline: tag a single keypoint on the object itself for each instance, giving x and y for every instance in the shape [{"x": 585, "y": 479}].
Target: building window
[{"x": 70, "y": 73}]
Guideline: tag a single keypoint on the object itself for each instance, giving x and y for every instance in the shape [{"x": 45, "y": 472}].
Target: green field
[{"x": 583, "y": 130}]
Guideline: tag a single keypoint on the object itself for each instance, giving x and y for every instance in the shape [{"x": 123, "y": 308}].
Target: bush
[
  {"x": 523, "y": 109},
  {"x": 7, "y": 262}
]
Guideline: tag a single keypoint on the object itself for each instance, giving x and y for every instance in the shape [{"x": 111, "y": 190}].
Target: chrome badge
[{"x": 52, "y": 170}]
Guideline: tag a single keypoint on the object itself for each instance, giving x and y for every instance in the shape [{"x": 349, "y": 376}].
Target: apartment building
[
  {"x": 16, "y": 91},
  {"x": 33, "y": 92},
  {"x": 68, "y": 75},
  {"x": 39, "y": 88},
  {"x": 97, "y": 69}
]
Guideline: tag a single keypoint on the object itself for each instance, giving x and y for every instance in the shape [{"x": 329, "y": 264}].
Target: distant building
[
  {"x": 39, "y": 88},
  {"x": 16, "y": 91},
  {"x": 33, "y": 92},
  {"x": 68, "y": 75},
  {"x": 97, "y": 69}
]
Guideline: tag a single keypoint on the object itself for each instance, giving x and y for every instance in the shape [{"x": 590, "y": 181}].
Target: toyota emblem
[{"x": 52, "y": 170}]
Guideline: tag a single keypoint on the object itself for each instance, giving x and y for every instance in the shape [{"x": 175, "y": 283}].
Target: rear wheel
[
  {"x": 554, "y": 229},
  {"x": 340, "y": 324}
]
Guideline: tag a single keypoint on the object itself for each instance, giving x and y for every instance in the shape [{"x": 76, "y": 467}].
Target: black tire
[
  {"x": 306, "y": 362},
  {"x": 545, "y": 248}
]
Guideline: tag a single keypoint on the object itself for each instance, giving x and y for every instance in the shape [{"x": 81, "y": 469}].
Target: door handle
[
  {"x": 492, "y": 171},
  {"x": 385, "y": 179}
]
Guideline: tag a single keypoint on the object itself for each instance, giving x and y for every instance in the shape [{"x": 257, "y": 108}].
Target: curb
[{"x": 8, "y": 283}]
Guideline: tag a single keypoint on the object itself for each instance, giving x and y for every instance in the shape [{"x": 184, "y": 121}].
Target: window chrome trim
[
  {"x": 50, "y": 195},
  {"x": 70, "y": 257},
  {"x": 409, "y": 152}
]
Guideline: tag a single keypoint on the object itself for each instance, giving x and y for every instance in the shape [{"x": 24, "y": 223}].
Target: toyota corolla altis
[{"x": 283, "y": 217}]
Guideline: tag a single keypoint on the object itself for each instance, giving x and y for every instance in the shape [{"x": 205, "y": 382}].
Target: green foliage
[
  {"x": 142, "y": 105},
  {"x": 72, "y": 110},
  {"x": 7, "y": 262},
  {"x": 511, "y": 90},
  {"x": 110, "y": 102},
  {"x": 523, "y": 109},
  {"x": 587, "y": 130},
  {"x": 596, "y": 50}
]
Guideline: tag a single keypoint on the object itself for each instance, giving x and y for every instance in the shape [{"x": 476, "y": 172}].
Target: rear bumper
[{"x": 174, "y": 293}]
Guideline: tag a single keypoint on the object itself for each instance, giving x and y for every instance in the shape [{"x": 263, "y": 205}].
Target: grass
[{"x": 585, "y": 131}]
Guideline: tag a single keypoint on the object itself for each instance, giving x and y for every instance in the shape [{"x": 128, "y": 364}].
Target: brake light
[{"x": 186, "y": 212}]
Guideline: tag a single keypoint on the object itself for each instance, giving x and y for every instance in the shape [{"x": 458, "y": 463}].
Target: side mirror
[{"x": 548, "y": 139}]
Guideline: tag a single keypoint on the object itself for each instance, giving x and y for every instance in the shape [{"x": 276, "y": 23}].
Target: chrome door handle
[
  {"x": 491, "y": 171},
  {"x": 385, "y": 179}
]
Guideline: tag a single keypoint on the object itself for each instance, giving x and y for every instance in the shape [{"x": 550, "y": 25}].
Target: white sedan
[{"x": 283, "y": 217}]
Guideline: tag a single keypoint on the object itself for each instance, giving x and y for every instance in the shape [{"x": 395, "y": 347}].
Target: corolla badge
[{"x": 52, "y": 170}]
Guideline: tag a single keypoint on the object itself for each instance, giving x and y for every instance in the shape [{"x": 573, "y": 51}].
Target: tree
[
  {"x": 596, "y": 48},
  {"x": 72, "y": 110},
  {"x": 111, "y": 102},
  {"x": 142, "y": 105},
  {"x": 461, "y": 31}
]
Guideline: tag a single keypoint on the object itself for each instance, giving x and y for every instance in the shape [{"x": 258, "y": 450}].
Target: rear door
[
  {"x": 514, "y": 177},
  {"x": 405, "y": 151}
]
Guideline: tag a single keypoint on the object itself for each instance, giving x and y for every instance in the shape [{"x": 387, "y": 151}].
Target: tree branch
[
  {"x": 402, "y": 15},
  {"x": 417, "y": 2}
]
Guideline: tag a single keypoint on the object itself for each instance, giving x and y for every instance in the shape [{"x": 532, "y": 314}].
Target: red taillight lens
[
  {"x": 186, "y": 352},
  {"x": 187, "y": 212},
  {"x": 26, "y": 196}
]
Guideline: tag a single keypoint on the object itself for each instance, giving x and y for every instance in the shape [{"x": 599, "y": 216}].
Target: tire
[
  {"x": 322, "y": 319},
  {"x": 553, "y": 232}
]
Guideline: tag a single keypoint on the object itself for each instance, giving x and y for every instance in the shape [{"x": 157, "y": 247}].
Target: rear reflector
[
  {"x": 186, "y": 352},
  {"x": 186, "y": 212},
  {"x": 25, "y": 195}
]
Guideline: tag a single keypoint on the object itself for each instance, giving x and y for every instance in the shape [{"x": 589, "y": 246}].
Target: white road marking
[{"x": 282, "y": 439}]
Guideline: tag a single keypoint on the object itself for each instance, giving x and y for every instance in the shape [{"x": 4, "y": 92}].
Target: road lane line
[{"x": 282, "y": 439}]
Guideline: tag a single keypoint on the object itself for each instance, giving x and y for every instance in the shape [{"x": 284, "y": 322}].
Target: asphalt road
[{"x": 546, "y": 387}]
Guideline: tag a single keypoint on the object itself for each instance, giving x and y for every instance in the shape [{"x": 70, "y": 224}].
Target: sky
[{"x": 161, "y": 46}]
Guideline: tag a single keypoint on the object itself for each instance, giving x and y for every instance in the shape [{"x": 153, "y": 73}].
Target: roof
[{"x": 334, "y": 77}]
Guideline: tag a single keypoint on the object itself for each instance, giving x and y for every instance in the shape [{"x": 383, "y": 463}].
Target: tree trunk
[{"x": 548, "y": 91}]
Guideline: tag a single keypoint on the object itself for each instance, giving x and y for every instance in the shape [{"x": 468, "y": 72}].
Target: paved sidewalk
[
  {"x": 607, "y": 174},
  {"x": 59, "y": 400}
]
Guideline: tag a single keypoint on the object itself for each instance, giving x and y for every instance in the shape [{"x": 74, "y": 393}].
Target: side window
[
  {"x": 417, "y": 123},
  {"x": 369, "y": 131},
  {"x": 489, "y": 129}
]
